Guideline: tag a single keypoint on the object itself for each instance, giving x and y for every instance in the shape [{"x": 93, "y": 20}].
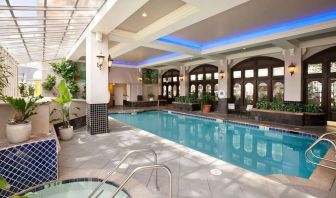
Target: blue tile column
[{"x": 97, "y": 118}]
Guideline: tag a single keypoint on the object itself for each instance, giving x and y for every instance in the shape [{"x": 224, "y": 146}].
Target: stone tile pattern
[
  {"x": 96, "y": 118},
  {"x": 28, "y": 165},
  {"x": 191, "y": 170}
]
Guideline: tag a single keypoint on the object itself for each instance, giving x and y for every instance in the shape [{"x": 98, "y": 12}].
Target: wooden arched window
[
  {"x": 170, "y": 84},
  {"x": 256, "y": 79},
  {"x": 319, "y": 86},
  {"x": 203, "y": 78}
]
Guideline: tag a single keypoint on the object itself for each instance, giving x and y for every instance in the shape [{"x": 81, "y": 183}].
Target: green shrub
[
  {"x": 31, "y": 90},
  {"x": 73, "y": 87},
  {"x": 49, "y": 83},
  {"x": 190, "y": 98},
  {"x": 23, "y": 89},
  {"x": 292, "y": 107},
  {"x": 207, "y": 98},
  {"x": 69, "y": 72}
]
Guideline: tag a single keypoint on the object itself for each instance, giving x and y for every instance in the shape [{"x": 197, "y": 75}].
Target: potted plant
[
  {"x": 150, "y": 97},
  {"x": 19, "y": 128},
  {"x": 23, "y": 89},
  {"x": 65, "y": 100},
  {"x": 49, "y": 82},
  {"x": 206, "y": 102}
]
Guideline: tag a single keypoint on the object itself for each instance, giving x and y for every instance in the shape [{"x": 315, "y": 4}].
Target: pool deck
[{"x": 95, "y": 155}]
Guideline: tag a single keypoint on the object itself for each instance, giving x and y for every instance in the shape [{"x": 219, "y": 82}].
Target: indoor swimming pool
[{"x": 258, "y": 149}]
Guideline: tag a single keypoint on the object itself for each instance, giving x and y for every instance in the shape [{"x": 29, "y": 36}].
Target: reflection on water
[{"x": 263, "y": 152}]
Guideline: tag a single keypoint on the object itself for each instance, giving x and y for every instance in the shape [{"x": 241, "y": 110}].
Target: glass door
[{"x": 332, "y": 100}]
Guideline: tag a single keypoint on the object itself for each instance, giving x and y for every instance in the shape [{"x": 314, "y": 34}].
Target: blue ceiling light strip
[
  {"x": 313, "y": 20},
  {"x": 120, "y": 62},
  {"x": 147, "y": 61},
  {"x": 159, "y": 58},
  {"x": 304, "y": 22},
  {"x": 181, "y": 42}
]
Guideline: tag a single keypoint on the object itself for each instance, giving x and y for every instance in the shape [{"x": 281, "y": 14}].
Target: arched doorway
[
  {"x": 170, "y": 85},
  {"x": 203, "y": 78},
  {"x": 256, "y": 79},
  {"x": 319, "y": 85}
]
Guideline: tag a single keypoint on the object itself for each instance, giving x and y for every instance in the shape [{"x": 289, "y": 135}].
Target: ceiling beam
[
  {"x": 49, "y": 8},
  {"x": 113, "y": 9},
  {"x": 186, "y": 15},
  {"x": 285, "y": 44}
]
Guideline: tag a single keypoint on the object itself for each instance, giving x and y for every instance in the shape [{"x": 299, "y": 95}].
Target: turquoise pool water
[
  {"x": 262, "y": 151},
  {"x": 72, "y": 188}
]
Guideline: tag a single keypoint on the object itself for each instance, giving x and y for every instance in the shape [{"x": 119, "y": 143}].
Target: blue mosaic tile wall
[{"x": 27, "y": 165}]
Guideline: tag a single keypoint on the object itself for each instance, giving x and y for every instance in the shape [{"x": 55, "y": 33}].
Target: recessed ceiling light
[{"x": 144, "y": 14}]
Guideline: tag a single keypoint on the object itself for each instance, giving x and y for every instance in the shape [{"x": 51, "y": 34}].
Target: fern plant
[{"x": 25, "y": 108}]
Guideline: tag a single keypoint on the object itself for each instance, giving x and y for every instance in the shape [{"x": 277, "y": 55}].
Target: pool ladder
[
  {"x": 327, "y": 137},
  {"x": 154, "y": 166}
]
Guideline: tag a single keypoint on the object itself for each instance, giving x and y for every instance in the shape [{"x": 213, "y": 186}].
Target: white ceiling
[{"x": 154, "y": 10}]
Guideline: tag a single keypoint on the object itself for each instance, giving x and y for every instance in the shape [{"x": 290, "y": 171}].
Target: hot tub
[{"x": 73, "y": 188}]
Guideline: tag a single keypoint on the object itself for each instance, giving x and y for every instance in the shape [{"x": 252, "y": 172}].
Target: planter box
[
  {"x": 290, "y": 118},
  {"x": 186, "y": 106}
]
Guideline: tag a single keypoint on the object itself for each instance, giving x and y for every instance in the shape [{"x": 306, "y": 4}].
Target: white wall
[
  {"x": 119, "y": 92},
  {"x": 123, "y": 75},
  {"x": 293, "y": 83}
]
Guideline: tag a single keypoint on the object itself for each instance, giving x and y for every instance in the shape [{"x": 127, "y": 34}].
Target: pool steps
[
  {"x": 327, "y": 137},
  {"x": 140, "y": 168},
  {"x": 155, "y": 166}
]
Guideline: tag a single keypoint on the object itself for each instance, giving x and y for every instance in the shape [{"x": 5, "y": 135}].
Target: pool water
[
  {"x": 264, "y": 152},
  {"x": 75, "y": 189}
]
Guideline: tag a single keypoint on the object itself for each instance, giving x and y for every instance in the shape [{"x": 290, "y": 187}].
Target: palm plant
[
  {"x": 25, "y": 108},
  {"x": 64, "y": 99},
  {"x": 4, "y": 75}
]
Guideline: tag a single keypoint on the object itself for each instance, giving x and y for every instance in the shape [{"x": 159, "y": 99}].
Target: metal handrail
[
  {"x": 310, "y": 150},
  {"x": 121, "y": 162},
  {"x": 156, "y": 166}
]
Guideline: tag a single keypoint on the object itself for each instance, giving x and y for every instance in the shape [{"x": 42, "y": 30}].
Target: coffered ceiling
[{"x": 149, "y": 13}]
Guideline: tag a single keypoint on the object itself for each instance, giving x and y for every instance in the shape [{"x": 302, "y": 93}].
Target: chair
[
  {"x": 231, "y": 107},
  {"x": 249, "y": 107}
]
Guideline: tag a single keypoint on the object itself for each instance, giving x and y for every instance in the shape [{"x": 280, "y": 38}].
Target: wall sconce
[
  {"x": 181, "y": 77},
  {"x": 109, "y": 63},
  {"x": 221, "y": 74},
  {"x": 291, "y": 69},
  {"x": 100, "y": 60}
]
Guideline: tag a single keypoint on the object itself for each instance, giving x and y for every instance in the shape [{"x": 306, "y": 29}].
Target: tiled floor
[{"x": 93, "y": 156}]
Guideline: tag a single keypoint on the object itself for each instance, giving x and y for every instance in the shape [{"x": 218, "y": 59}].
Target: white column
[
  {"x": 184, "y": 84},
  {"x": 96, "y": 79},
  {"x": 225, "y": 83},
  {"x": 293, "y": 83},
  {"x": 97, "y": 93}
]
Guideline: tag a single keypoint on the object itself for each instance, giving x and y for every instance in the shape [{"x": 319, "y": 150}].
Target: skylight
[{"x": 41, "y": 30}]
